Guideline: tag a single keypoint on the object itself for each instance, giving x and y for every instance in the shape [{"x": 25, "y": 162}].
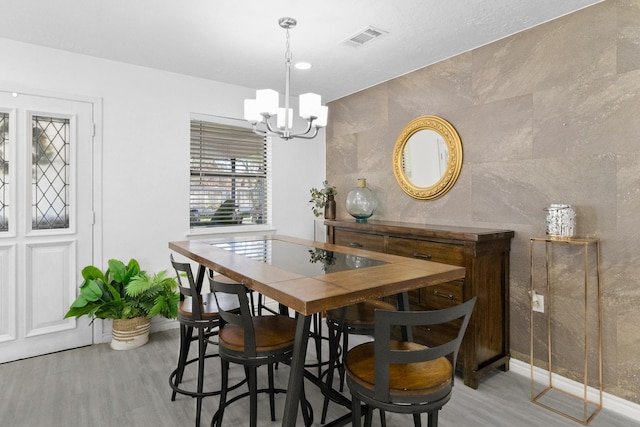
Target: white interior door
[{"x": 46, "y": 221}]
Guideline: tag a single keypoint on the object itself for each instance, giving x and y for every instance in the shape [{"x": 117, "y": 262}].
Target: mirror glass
[{"x": 427, "y": 157}]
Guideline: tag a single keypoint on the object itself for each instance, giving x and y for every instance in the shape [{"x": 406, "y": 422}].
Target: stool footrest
[{"x": 176, "y": 387}]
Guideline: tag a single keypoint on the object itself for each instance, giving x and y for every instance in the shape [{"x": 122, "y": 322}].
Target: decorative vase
[
  {"x": 330, "y": 207},
  {"x": 130, "y": 333},
  {"x": 561, "y": 220},
  {"x": 361, "y": 202}
]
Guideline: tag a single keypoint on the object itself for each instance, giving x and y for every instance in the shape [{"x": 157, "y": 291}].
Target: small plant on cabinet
[{"x": 319, "y": 197}]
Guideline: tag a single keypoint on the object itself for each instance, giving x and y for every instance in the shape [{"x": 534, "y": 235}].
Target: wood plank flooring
[{"x": 100, "y": 387}]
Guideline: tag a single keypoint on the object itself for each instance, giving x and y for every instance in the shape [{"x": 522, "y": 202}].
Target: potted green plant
[
  {"x": 323, "y": 200},
  {"x": 129, "y": 296}
]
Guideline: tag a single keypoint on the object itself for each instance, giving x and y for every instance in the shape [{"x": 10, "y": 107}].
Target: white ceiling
[{"x": 240, "y": 41}]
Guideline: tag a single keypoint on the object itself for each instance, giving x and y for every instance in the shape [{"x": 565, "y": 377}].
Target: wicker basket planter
[{"x": 130, "y": 333}]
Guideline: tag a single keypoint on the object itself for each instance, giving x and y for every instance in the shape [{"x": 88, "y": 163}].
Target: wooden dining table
[{"x": 310, "y": 277}]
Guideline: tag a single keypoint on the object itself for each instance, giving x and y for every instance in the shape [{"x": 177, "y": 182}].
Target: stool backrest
[
  {"x": 385, "y": 355},
  {"x": 187, "y": 287},
  {"x": 242, "y": 317}
]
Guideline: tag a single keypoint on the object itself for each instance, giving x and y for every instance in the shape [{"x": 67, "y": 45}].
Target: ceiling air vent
[{"x": 365, "y": 36}]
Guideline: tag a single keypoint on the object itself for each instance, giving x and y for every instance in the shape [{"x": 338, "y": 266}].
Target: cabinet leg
[{"x": 471, "y": 381}]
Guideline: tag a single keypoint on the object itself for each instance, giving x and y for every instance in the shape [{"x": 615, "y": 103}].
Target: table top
[{"x": 309, "y": 276}]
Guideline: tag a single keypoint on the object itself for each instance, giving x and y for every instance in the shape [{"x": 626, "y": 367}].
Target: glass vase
[{"x": 361, "y": 201}]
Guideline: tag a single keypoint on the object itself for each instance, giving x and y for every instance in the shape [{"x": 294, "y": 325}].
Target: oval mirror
[{"x": 427, "y": 157}]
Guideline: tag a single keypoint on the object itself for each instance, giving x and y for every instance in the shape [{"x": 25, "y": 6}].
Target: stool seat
[
  {"x": 360, "y": 314},
  {"x": 208, "y": 306},
  {"x": 272, "y": 333},
  {"x": 413, "y": 379}
]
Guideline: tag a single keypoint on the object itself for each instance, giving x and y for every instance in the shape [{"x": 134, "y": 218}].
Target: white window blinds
[{"x": 229, "y": 176}]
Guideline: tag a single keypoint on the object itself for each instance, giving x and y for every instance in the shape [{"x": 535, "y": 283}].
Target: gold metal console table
[{"x": 591, "y": 399}]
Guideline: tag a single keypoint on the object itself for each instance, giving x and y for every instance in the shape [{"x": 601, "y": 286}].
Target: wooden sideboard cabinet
[{"x": 485, "y": 255}]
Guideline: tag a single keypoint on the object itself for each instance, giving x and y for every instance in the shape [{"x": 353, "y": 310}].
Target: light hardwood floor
[{"x": 97, "y": 386}]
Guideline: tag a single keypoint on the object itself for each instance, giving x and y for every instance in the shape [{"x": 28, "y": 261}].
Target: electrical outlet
[{"x": 537, "y": 302}]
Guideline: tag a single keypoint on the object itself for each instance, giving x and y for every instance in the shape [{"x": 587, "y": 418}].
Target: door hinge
[
  {"x": 93, "y": 130},
  {"x": 93, "y": 218}
]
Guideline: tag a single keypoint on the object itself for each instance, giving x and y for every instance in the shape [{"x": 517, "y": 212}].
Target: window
[{"x": 230, "y": 170}]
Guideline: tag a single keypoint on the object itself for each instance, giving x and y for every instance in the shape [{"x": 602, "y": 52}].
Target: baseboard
[{"x": 610, "y": 402}]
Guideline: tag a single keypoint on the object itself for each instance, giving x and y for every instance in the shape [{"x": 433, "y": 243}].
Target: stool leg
[
  {"x": 272, "y": 400},
  {"x": 224, "y": 365},
  {"x": 356, "y": 414},
  {"x": 433, "y": 419},
  {"x": 253, "y": 397},
  {"x": 334, "y": 339},
  {"x": 345, "y": 348},
  {"x": 368, "y": 416},
  {"x": 318, "y": 340},
  {"x": 201, "y": 353},
  {"x": 185, "y": 341},
  {"x": 306, "y": 409}
]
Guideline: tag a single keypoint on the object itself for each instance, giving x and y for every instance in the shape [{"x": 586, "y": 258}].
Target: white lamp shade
[
  {"x": 322, "y": 114},
  {"x": 309, "y": 104},
  {"x": 251, "y": 113},
  {"x": 268, "y": 101},
  {"x": 281, "y": 114}
]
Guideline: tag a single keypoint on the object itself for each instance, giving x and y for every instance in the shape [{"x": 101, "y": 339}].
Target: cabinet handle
[
  {"x": 441, "y": 295},
  {"x": 355, "y": 245},
  {"x": 421, "y": 256}
]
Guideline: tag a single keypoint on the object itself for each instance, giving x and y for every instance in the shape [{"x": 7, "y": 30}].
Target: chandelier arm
[
  {"x": 269, "y": 126},
  {"x": 305, "y": 136},
  {"x": 286, "y": 134},
  {"x": 306, "y": 131},
  {"x": 257, "y": 131}
]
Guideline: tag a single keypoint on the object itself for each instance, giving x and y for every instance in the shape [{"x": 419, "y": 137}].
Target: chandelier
[{"x": 266, "y": 106}]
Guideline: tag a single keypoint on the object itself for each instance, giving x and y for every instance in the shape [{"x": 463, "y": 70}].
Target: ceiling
[{"x": 240, "y": 41}]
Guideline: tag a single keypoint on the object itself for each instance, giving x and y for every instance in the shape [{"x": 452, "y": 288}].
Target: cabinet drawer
[
  {"x": 442, "y": 296},
  {"x": 432, "y": 251},
  {"x": 372, "y": 242}
]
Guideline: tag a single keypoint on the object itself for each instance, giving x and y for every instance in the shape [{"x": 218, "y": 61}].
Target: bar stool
[
  {"x": 403, "y": 376},
  {"x": 252, "y": 341},
  {"x": 203, "y": 316},
  {"x": 356, "y": 319}
]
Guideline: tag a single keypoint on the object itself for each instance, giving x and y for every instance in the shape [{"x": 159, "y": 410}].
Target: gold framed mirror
[{"x": 427, "y": 157}]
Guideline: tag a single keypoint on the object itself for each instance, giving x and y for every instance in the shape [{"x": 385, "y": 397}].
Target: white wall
[
  {"x": 145, "y": 146},
  {"x": 299, "y": 165}
]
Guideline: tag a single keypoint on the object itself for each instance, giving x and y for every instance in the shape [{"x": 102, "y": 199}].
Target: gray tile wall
[{"x": 550, "y": 115}]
